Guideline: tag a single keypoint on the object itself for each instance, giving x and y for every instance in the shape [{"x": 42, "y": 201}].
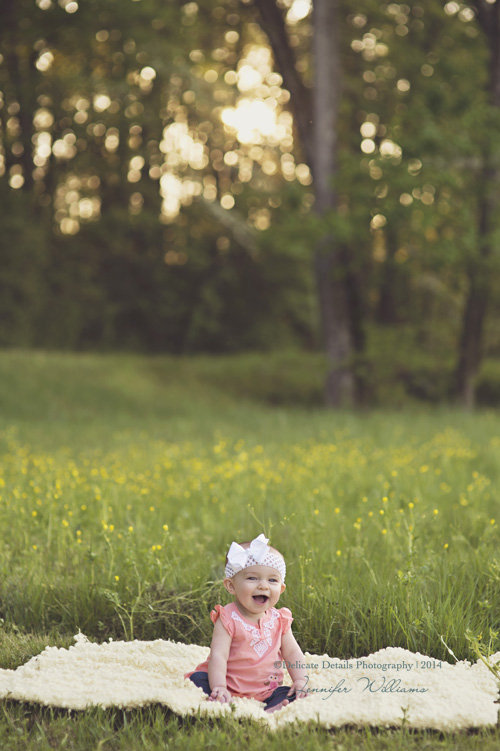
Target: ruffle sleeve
[
  {"x": 286, "y": 619},
  {"x": 220, "y": 612}
]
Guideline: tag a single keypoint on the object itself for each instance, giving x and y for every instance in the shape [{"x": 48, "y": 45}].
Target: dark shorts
[{"x": 200, "y": 679}]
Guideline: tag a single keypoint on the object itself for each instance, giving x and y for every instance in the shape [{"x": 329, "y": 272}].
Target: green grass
[
  {"x": 123, "y": 479},
  {"x": 156, "y": 729}
]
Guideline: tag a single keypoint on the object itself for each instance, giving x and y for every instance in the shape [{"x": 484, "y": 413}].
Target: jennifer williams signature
[{"x": 385, "y": 686}]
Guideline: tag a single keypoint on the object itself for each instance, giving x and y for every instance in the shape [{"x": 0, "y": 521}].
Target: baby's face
[{"x": 256, "y": 589}]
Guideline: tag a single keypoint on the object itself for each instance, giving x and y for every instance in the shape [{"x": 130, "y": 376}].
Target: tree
[
  {"x": 329, "y": 258},
  {"x": 479, "y": 271},
  {"x": 113, "y": 134},
  {"x": 317, "y": 115}
]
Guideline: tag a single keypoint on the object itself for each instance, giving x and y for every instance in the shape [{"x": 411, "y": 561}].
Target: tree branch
[
  {"x": 236, "y": 225},
  {"x": 273, "y": 24}
]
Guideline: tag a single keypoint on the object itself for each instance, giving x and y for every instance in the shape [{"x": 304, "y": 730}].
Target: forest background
[{"x": 157, "y": 190}]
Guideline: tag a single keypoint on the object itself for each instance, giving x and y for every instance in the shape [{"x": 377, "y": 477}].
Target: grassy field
[{"x": 123, "y": 480}]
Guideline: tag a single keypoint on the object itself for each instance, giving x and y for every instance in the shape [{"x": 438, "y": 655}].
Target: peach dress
[{"x": 255, "y": 650}]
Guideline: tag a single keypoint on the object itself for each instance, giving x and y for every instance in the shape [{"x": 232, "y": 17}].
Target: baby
[{"x": 251, "y": 637}]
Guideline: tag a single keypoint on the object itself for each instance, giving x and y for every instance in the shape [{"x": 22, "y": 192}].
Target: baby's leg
[
  {"x": 279, "y": 699},
  {"x": 200, "y": 679}
]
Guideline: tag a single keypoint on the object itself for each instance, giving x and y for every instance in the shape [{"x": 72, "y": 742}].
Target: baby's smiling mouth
[{"x": 260, "y": 599}]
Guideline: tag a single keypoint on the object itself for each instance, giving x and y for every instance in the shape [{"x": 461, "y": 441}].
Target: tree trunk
[
  {"x": 387, "y": 309},
  {"x": 470, "y": 351},
  {"x": 328, "y": 258},
  {"x": 316, "y": 122}
]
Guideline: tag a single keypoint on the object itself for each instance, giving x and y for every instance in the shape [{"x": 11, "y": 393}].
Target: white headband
[{"x": 258, "y": 554}]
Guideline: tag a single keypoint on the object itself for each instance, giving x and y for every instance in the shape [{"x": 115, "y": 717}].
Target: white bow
[{"x": 237, "y": 556}]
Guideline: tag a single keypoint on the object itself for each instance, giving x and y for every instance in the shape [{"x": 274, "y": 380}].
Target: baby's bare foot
[{"x": 278, "y": 706}]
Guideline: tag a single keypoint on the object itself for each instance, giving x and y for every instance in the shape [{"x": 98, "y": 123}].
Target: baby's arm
[
  {"x": 292, "y": 653},
  {"x": 217, "y": 664}
]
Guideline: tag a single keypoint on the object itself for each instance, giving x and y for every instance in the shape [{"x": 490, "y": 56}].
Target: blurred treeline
[{"x": 155, "y": 197}]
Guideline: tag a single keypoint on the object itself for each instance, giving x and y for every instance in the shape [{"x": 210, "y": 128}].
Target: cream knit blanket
[{"x": 388, "y": 688}]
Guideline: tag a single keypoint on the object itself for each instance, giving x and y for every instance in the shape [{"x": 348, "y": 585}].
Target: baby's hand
[
  {"x": 297, "y": 687},
  {"x": 220, "y": 693}
]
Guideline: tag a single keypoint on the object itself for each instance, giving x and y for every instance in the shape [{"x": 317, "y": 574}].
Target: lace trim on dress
[{"x": 261, "y": 640}]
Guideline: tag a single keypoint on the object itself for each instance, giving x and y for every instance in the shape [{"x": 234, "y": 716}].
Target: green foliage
[
  {"x": 24, "y": 261},
  {"x": 132, "y": 278},
  {"x": 488, "y": 387}
]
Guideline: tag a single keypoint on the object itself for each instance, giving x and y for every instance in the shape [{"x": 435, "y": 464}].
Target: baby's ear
[
  {"x": 228, "y": 583},
  {"x": 283, "y": 587}
]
